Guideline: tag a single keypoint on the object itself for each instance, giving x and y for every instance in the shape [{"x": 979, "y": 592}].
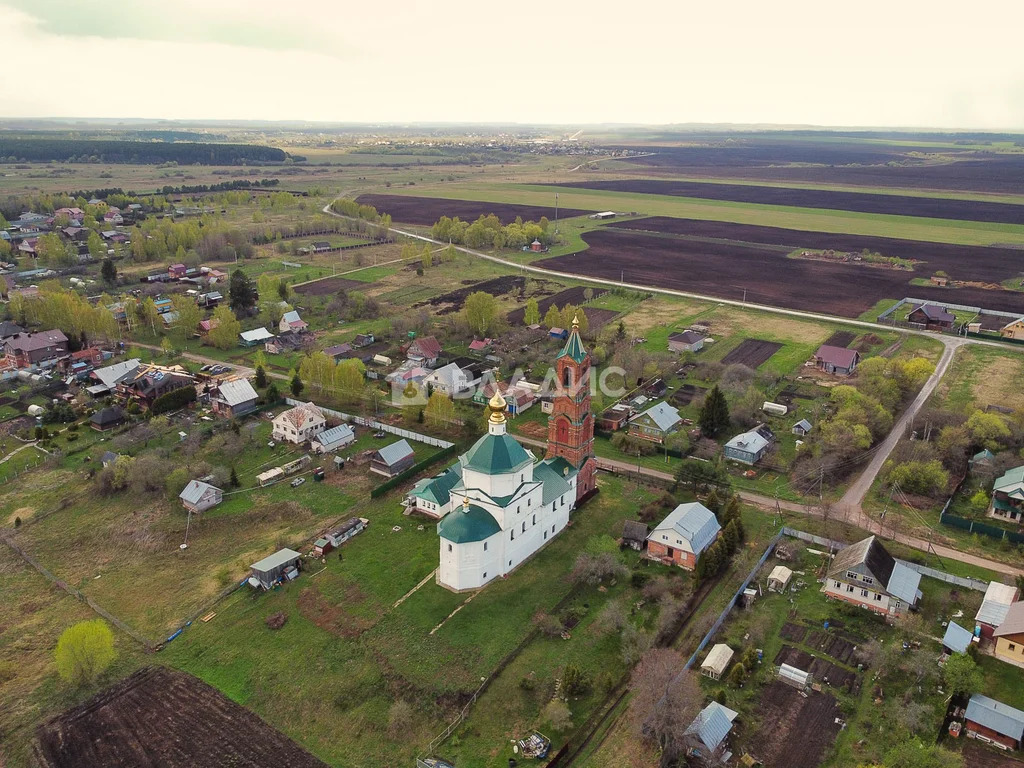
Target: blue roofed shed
[
  {"x": 957, "y": 639},
  {"x": 712, "y": 725}
]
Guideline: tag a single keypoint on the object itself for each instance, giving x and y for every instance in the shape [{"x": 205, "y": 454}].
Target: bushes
[
  {"x": 173, "y": 400},
  {"x": 927, "y": 478}
]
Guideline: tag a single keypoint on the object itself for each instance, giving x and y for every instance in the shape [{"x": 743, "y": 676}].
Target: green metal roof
[
  {"x": 1012, "y": 477},
  {"x": 495, "y": 455},
  {"x": 574, "y": 347},
  {"x": 438, "y": 488},
  {"x": 555, "y": 475},
  {"x": 466, "y": 524}
]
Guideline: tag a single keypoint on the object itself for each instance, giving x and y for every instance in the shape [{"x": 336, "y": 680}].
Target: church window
[
  {"x": 524, "y": 526},
  {"x": 567, "y": 377},
  {"x": 512, "y": 534},
  {"x": 509, "y": 563},
  {"x": 449, "y": 547},
  {"x": 552, "y": 529},
  {"x": 534, "y": 520},
  {"x": 485, "y": 546},
  {"x": 545, "y": 535},
  {"x": 485, "y": 574}
]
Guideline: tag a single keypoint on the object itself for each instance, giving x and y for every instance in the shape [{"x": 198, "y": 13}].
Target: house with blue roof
[
  {"x": 684, "y": 535},
  {"x": 656, "y": 423},
  {"x": 866, "y": 575},
  {"x": 993, "y": 722},
  {"x": 709, "y": 729}
]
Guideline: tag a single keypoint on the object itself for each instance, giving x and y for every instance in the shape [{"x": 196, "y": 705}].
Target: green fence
[
  {"x": 975, "y": 526},
  {"x": 412, "y": 471}
]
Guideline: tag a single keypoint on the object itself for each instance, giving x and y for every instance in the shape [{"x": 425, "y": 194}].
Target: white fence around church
[{"x": 362, "y": 421}]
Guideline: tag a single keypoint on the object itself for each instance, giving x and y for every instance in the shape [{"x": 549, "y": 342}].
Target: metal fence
[
  {"x": 373, "y": 424},
  {"x": 924, "y": 570},
  {"x": 976, "y": 526},
  {"x": 732, "y": 602}
]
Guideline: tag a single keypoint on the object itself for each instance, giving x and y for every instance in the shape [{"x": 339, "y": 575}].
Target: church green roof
[
  {"x": 574, "y": 347},
  {"x": 495, "y": 455},
  {"x": 438, "y": 488},
  {"x": 466, "y": 524}
]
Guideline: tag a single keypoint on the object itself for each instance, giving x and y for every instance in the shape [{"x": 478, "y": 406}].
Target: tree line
[
  {"x": 144, "y": 153},
  {"x": 488, "y": 232}
]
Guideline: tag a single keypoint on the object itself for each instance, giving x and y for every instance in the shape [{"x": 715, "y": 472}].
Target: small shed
[
  {"x": 993, "y": 722},
  {"x": 795, "y": 677},
  {"x": 270, "y": 476},
  {"x": 558, "y": 333},
  {"x": 107, "y": 418},
  {"x": 271, "y": 569},
  {"x": 350, "y": 528},
  {"x": 332, "y": 439},
  {"x": 957, "y": 639},
  {"x": 712, "y": 725},
  {"x": 717, "y": 661},
  {"x": 778, "y": 579},
  {"x": 322, "y": 547},
  {"x": 802, "y": 427},
  {"x": 634, "y": 534},
  {"x": 392, "y": 460}
]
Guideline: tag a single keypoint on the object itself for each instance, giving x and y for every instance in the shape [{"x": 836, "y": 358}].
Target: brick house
[
  {"x": 35, "y": 350},
  {"x": 865, "y": 575},
  {"x": 684, "y": 535},
  {"x": 993, "y": 722}
]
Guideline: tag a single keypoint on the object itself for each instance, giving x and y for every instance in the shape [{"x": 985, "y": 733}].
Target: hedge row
[{"x": 415, "y": 469}]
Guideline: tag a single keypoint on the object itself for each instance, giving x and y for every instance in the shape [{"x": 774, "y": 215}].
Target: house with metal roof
[
  {"x": 840, "y": 361},
  {"x": 109, "y": 376},
  {"x": 433, "y": 496},
  {"x": 802, "y": 427},
  {"x": 994, "y": 607},
  {"x": 332, "y": 439},
  {"x": 956, "y": 639},
  {"x": 683, "y": 535},
  {"x": 233, "y": 398},
  {"x": 299, "y": 424},
  {"x": 656, "y": 423},
  {"x": 750, "y": 447},
  {"x": 393, "y": 459},
  {"x": 424, "y": 351},
  {"x": 1008, "y": 496},
  {"x": 255, "y": 337},
  {"x": 198, "y": 496},
  {"x": 993, "y": 722},
  {"x": 866, "y": 575},
  {"x": 1009, "y": 636},
  {"x": 450, "y": 380},
  {"x": 274, "y": 568},
  {"x": 107, "y": 418},
  {"x": 292, "y": 323},
  {"x": 686, "y": 341},
  {"x": 711, "y": 726}
]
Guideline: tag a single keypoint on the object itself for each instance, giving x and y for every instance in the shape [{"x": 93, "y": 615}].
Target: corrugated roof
[
  {"x": 903, "y": 583},
  {"x": 997, "y": 601},
  {"x": 236, "y": 392},
  {"x": 997, "y": 716},
  {"x": 554, "y": 482},
  {"x": 841, "y": 357},
  {"x": 256, "y": 334},
  {"x": 394, "y": 453},
  {"x": 695, "y": 523},
  {"x": 194, "y": 491},
  {"x": 275, "y": 560},
  {"x": 1013, "y": 624},
  {"x": 804, "y": 424},
  {"x": 334, "y": 435},
  {"x": 438, "y": 488},
  {"x": 957, "y": 639},
  {"x": 867, "y": 552},
  {"x": 712, "y": 724},
  {"x": 687, "y": 337},
  {"x": 1012, "y": 479},
  {"x": 752, "y": 441}
]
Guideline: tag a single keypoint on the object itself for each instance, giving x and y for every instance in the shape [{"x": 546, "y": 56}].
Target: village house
[
  {"x": 931, "y": 316},
  {"x": 109, "y": 376},
  {"x": 176, "y": 271},
  {"x": 519, "y": 396},
  {"x": 332, "y": 439},
  {"x": 866, "y": 575},
  {"x": 299, "y": 424},
  {"x": 1009, "y": 636},
  {"x": 615, "y": 418},
  {"x": 148, "y": 382},
  {"x": 363, "y": 340},
  {"x": 198, "y": 496},
  {"x": 1008, "y": 496},
  {"x": 113, "y": 216},
  {"x": 424, "y": 351},
  {"x": 8, "y": 329},
  {"x": 432, "y": 496},
  {"x": 1013, "y": 330},
  {"x": 393, "y": 459},
  {"x": 255, "y": 337},
  {"x": 993, "y": 722},
  {"x": 480, "y": 346},
  {"x": 512, "y": 504},
  {"x": 292, "y": 323},
  {"x": 656, "y": 423},
  {"x": 994, "y": 607},
  {"x": 233, "y": 398},
  {"x": 684, "y": 535},
  {"x": 750, "y": 447},
  {"x": 686, "y": 341},
  {"x": 35, "y": 350},
  {"x": 450, "y": 380},
  {"x": 339, "y": 351},
  {"x": 836, "y": 360},
  {"x": 107, "y": 418}
]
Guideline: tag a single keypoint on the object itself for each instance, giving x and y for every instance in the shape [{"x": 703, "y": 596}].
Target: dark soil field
[
  {"x": 795, "y": 731},
  {"x": 738, "y": 258},
  {"x": 823, "y": 670},
  {"x": 979, "y": 756},
  {"x": 751, "y": 353},
  {"x": 329, "y": 285},
  {"x": 453, "y": 300},
  {"x": 901, "y": 205},
  {"x": 163, "y": 718},
  {"x": 572, "y": 296},
  {"x": 841, "y": 339},
  {"x": 427, "y": 210},
  {"x": 686, "y": 393},
  {"x": 597, "y": 317}
]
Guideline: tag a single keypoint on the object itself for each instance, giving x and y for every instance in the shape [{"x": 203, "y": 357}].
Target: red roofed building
[
  {"x": 424, "y": 350},
  {"x": 35, "y": 350}
]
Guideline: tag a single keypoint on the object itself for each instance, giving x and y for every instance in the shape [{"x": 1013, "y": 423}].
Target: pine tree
[
  {"x": 712, "y": 502},
  {"x": 261, "y": 377},
  {"x": 296, "y": 385},
  {"x": 714, "y": 416},
  {"x": 731, "y": 537},
  {"x": 234, "y": 478}
]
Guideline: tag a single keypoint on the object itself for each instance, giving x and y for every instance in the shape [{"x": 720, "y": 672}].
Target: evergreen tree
[
  {"x": 713, "y": 503},
  {"x": 296, "y": 385},
  {"x": 261, "y": 377},
  {"x": 234, "y": 478},
  {"x": 731, "y": 537},
  {"x": 714, "y": 416},
  {"x": 272, "y": 395},
  {"x": 242, "y": 292},
  {"x": 108, "y": 271}
]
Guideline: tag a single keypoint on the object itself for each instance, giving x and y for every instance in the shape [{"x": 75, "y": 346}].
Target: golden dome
[
  {"x": 576, "y": 321},
  {"x": 497, "y": 405}
]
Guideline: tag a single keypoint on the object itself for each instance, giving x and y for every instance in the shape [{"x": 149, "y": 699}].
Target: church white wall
[{"x": 470, "y": 565}]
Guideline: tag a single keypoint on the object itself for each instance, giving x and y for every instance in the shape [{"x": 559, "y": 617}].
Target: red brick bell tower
[{"x": 571, "y": 424}]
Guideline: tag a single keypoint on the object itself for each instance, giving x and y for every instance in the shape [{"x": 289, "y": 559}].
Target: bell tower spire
[{"x": 571, "y": 424}]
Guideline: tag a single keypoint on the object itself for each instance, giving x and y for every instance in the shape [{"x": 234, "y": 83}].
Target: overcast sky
[{"x": 874, "y": 62}]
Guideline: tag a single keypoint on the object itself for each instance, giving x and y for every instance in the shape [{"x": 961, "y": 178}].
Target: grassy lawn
[{"x": 981, "y": 376}]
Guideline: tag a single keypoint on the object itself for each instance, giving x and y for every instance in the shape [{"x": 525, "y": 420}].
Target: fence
[
  {"x": 924, "y": 570},
  {"x": 976, "y": 526},
  {"x": 373, "y": 424},
  {"x": 732, "y": 602}
]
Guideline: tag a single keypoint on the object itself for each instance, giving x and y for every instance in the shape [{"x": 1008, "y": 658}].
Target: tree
[
  {"x": 349, "y": 376},
  {"x": 225, "y": 330},
  {"x": 714, "y": 415},
  {"x": 961, "y": 674},
  {"x": 296, "y": 385},
  {"x": 575, "y": 681},
  {"x": 988, "y": 430},
  {"x": 282, "y": 290},
  {"x": 261, "y": 377},
  {"x": 552, "y": 317},
  {"x": 440, "y": 410},
  {"x": 189, "y": 315},
  {"x": 272, "y": 395},
  {"x": 531, "y": 316},
  {"x": 85, "y": 651},
  {"x": 927, "y": 478},
  {"x": 480, "y": 309},
  {"x": 149, "y": 314},
  {"x": 242, "y": 292},
  {"x": 665, "y": 700},
  {"x": 108, "y": 271},
  {"x": 167, "y": 347},
  {"x": 234, "y": 478}
]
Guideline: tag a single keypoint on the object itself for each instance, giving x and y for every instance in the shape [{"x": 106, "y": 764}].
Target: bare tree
[{"x": 665, "y": 700}]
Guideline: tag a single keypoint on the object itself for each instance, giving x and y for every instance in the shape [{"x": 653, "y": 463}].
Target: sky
[{"x": 871, "y": 63}]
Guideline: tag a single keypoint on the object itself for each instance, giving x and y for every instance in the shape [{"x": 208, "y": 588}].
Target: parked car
[{"x": 298, "y": 481}]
